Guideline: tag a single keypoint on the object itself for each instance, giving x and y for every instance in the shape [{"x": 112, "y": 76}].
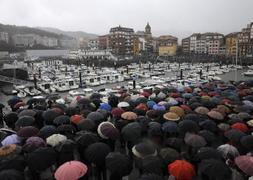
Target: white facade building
[{"x": 4, "y": 36}]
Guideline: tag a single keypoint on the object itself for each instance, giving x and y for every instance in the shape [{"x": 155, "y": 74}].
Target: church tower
[{"x": 148, "y": 33}]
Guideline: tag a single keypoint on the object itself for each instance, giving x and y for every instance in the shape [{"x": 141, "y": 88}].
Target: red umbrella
[
  {"x": 245, "y": 163},
  {"x": 181, "y": 170},
  {"x": 71, "y": 170},
  {"x": 241, "y": 127}
]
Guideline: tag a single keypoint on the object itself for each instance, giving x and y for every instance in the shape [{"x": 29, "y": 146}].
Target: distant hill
[
  {"x": 12, "y": 29},
  {"x": 75, "y": 34}
]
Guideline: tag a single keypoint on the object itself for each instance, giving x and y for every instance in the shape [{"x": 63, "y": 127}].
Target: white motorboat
[
  {"x": 248, "y": 73},
  {"x": 31, "y": 91}
]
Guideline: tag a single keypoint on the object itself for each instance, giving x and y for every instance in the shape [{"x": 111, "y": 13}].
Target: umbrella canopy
[
  {"x": 27, "y": 112},
  {"x": 105, "y": 106},
  {"x": 96, "y": 153},
  {"x": 209, "y": 125},
  {"x": 14, "y": 100},
  {"x": 18, "y": 105},
  {"x": 224, "y": 127},
  {"x": 151, "y": 164},
  {"x": 47, "y": 131},
  {"x": 170, "y": 127},
  {"x": 215, "y": 115},
  {"x": 169, "y": 155},
  {"x": 131, "y": 132},
  {"x": 11, "y": 174},
  {"x": 178, "y": 110},
  {"x": 208, "y": 153},
  {"x": 97, "y": 117},
  {"x": 9, "y": 150},
  {"x": 194, "y": 140},
  {"x": 116, "y": 112},
  {"x": 85, "y": 138},
  {"x": 49, "y": 116},
  {"x": 182, "y": 170},
  {"x": 118, "y": 163},
  {"x": 123, "y": 104},
  {"x": 107, "y": 130},
  {"x": 144, "y": 149},
  {"x": 214, "y": 169},
  {"x": 159, "y": 107},
  {"x": 11, "y": 139},
  {"x": 28, "y": 131},
  {"x": 70, "y": 170},
  {"x": 33, "y": 143},
  {"x": 41, "y": 158},
  {"x": 241, "y": 127},
  {"x": 201, "y": 110},
  {"x": 188, "y": 126},
  {"x": 76, "y": 118},
  {"x": 55, "y": 139},
  {"x": 245, "y": 163},
  {"x": 208, "y": 135},
  {"x": 228, "y": 151},
  {"x": 247, "y": 142},
  {"x": 86, "y": 124},
  {"x": 234, "y": 135},
  {"x": 24, "y": 121},
  {"x": 62, "y": 119},
  {"x": 171, "y": 116},
  {"x": 130, "y": 116}
]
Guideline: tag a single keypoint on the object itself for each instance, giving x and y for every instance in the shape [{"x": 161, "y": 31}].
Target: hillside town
[{"x": 126, "y": 42}]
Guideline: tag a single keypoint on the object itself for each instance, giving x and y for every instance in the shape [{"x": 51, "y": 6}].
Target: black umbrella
[
  {"x": 208, "y": 153},
  {"x": 24, "y": 121},
  {"x": 62, "y": 119},
  {"x": 214, "y": 169},
  {"x": 119, "y": 164},
  {"x": 131, "y": 132},
  {"x": 47, "y": 131},
  {"x": 27, "y": 112},
  {"x": 96, "y": 153},
  {"x": 65, "y": 151},
  {"x": 11, "y": 174},
  {"x": 209, "y": 125},
  {"x": 85, "y": 138},
  {"x": 175, "y": 143},
  {"x": 188, "y": 126},
  {"x": 10, "y": 119},
  {"x": 41, "y": 158},
  {"x": 67, "y": 130},
  {"x": 234, "y": 135},
  {"x": 50, "y": 115},
  {"x": 95, "y": 96},
  {"x": 86, "y": 124},
  {"x": 155, "y": 129},
  {"x": 247, "y": 142},
  {"x": 141, "y": 100},
  {"x": 194, "y": 117},
  {"x": 16, "y": 162},
  {"x": 169, "y": 155},
  {"x": 208, "y": 135},
  {"x": 144, "y": 121},
  {"x": 151, "y": 165},
  {"x": 97, "y": 117}
]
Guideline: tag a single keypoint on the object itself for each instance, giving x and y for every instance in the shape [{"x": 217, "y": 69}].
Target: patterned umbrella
[
  {"x": 245, "y": 163},
  {"x": 70, "y": 170}
]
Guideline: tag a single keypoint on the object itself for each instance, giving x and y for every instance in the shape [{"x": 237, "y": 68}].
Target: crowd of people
[{"x": 201, "y": 132}]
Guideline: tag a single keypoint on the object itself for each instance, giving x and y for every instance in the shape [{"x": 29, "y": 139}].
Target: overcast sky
[{"x": 175, "y": 17}]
